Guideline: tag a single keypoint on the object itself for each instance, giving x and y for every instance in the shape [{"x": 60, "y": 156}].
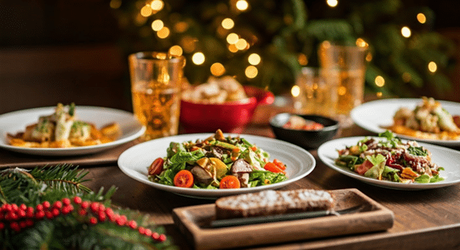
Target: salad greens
[
  {"x": 390, "y": 159},
  {"x": 211, "y": 160}
]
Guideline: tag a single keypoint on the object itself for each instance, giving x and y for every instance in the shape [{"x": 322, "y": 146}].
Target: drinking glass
[
  {"x": 315, "y": 96},
  {"x": 156, "y": 79},
  {"x": 346, "y": 67}
]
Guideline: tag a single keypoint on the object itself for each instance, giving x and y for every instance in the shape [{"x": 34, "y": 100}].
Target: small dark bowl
[{"x": 308, "y": 139}]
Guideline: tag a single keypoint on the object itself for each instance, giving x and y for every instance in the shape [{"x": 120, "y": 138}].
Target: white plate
[
  {"x": 375, "y": 115},
  {"x": 447, "y": 158},
  {"x": 17, "y": 121},
  {"x": 135, "y": 161}
]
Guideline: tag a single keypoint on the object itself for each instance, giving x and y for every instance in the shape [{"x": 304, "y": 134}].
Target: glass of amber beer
[
  {"x": 156, "y": 79},
  {"x": 345, "y": 68}
]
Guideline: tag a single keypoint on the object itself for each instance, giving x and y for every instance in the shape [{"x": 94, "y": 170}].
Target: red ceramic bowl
[{"x": 230, "y": 117}]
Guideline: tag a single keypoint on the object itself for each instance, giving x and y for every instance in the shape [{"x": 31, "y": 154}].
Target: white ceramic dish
[
  {"x": 447, "y": 158},
  {"x": 135, "y": 161},
  {"x": 17, "y": 121},
  {"x": 375, "y": 115}
]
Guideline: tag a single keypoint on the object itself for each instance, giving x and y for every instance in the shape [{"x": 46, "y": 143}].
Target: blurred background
[{"x": 76, "y": 50}]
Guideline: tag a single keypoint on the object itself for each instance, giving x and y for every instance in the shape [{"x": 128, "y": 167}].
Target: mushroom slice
[
  {"x": 241, "y": 169},
  {"x": 201, "y": 175}
]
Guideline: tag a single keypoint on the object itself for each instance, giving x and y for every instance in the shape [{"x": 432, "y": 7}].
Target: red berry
[
  {"x": 132, "y": 224},
  {"x": 39, "y": 207},
  {"x": 55, "y": 212},
  {"x": 109, "y": 211},
  {"x": 162, "y": 238},
  {"x": 85, "y": 204},
  {"x": 7, "y": 207},
  {"x": 14, "y": 207},
  {"x": 39, "y": 214},
  {"x": 22, "y": 224},
  {"x": 77, "y": 199},
  {"x": 49, "y": 215},
  {"x": 141, "y": 230},
  {"x": 66, "y": 201},
  {"x": 102, "y": 217},
  {"x": 94, "y": 207},
  {"x": 30, "y": 212},
  {"x": 15, "y": 226},
  {"x": 155, "y": 236},
  {"x": 82, "y": 212},
  {"x": 23, "y": 206},
  {"x": 57, "y": 204},
  {"x": 29, "y": 222},
  {"x": 2, "y": 226},
  {"x": 148, "y": 232},
  {"x": 46, "y": 204},
  {"x": 101, "y": 207},
  {"x": 93, "y": 220},
  {"x": 21, "y": 213}
]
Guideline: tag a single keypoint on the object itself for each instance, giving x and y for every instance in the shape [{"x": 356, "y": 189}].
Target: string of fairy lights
[{"x": 235, "y": 42}]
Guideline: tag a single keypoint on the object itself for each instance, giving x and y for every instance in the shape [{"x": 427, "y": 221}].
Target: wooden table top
[{"x": 428, "y": 219}]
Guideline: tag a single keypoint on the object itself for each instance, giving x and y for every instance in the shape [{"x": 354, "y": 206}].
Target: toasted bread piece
[{"x": 272, "y": 202}]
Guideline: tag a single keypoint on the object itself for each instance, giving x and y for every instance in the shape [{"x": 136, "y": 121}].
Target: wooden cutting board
[{"x": 194, "y": 222}]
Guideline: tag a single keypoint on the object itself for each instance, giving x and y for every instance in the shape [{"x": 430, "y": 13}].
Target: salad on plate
[
  {"x": 390, "y": 159},
  {"x": 217, "y": 162}
]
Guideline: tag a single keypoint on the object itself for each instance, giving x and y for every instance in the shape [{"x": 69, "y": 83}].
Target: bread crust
[{"x": 272, "y": 202}]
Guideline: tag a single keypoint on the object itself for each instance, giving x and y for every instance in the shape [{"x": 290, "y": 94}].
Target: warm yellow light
[
  {"x": 369, "y": 57},
  {"x": 432, "y": 67},
  {"x": 157, "y": 25},
  {"x": 302, "y": 59},
  {"x": 332, "y": 3},
  {"x": 342, "y": 90},
  {"x": 198, "y": 58},
  {"x": 254, "y": 59},
  {"x": 379, "y": 94},
  {"x": 406, "y": 32},
  {"x": 406, "y": 77},
  {"x": 115, "y": 4},
  {"x": 251, "y": 72},
  {"x": 295, "y": 91},
  {"x": 157, "y": 5},
  {"x": 217, "y": 69},
  {"x": 361, "y": 43},
  {"x": 242, "y": 5},
  {"x": 241, "y": 44},
  {"x": 180, "y": 27},
  {"x": 228, "y": 23},
  {"x": 232, "y": 48},
  {"x": 176, "y": 50},
  {"x": 146, "y": 11},
  {"x": 232, "y": 38},
  {"x": 163, "y": 33},
  {"x": 421, "y": 18},
  {"x": 379, "y": 81}
]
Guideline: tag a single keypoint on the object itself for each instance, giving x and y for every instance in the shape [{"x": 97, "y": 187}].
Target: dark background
[{"x": 67, "y": 51}]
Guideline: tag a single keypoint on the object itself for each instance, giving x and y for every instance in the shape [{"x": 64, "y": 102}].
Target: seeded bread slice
[{"x": 272, "y": 202}]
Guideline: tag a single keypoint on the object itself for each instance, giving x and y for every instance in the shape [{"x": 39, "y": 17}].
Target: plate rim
[
  {"x": 385, "y": 184},
  {"x": 357, "y": 112},
  {"x": 137, "y": 132},
  {"x": 214, "y": 193}
]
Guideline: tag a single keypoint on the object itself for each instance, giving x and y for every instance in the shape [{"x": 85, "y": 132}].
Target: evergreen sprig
[{"x": 50, "y": 208}]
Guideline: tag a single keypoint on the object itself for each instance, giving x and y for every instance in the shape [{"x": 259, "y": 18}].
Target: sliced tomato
[
  {"x": 229, "y": 181},
  {"x": 183, "y": 178},
  {"x": 362, "y": 168},
  {"x": 157, "y": 166}
]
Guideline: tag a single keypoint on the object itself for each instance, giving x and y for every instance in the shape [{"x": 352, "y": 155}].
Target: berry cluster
[{"x": 22, "y": 216}]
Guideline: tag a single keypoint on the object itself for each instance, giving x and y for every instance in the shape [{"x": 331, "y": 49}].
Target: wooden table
[{"x": 428, "y": 219}]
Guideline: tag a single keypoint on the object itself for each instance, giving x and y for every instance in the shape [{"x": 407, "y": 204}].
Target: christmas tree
[{"x": 266, "y": 42}]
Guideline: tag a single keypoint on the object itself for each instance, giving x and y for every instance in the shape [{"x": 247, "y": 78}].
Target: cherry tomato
[
  {"x": 229, "y": 181},
  {"x": 157, "y": 166},
  {"x": 183, "y": 178}
]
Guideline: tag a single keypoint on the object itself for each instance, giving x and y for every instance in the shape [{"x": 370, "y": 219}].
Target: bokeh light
[
  {"x": 332, "y": 3},
  {"x": 157, "y": 25},
  {"x": 432, "y": 67},
  {"x": 379, "y": 81},
  {"x": 295, "y": 91},
  {"x": 251, "y": 72},
  {"x": 242, "y": 5},
  {"x": 421, "y": 18},
  {"x": 254, "y": 59},
  {"x": 406, "y": 32},
  {"x": 198, "y": 58},
  {"x": 217, "y": 69},
  {"x": 163, "y": 33},
  {"x": 176, "y": 50},
  {"x": 228, "y": 23}
]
